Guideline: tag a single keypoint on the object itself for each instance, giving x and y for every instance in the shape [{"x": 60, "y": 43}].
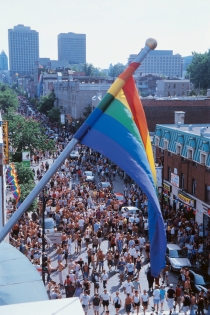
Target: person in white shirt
[
  {"x": 132, "y": 251},
  {"x": 142, "y": 243},
  {"x": 117, "y": 302},
  {"x": 145, "y": 300},
  {"x": 130, "y": 269},
  {"x": 81, "y": 224},
  {"x": 104, "y": 278},
  {"x": 128, "y": 287},
  {"x": 105, "y": 298},
  {"x": 156, "y": 297},
  {"x": 85, "y": 300}
]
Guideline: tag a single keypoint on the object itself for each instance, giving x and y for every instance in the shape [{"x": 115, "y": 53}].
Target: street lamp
[{"x": 161, "y": 158}]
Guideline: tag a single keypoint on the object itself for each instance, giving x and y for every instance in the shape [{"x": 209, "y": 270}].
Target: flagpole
[{"x": 115, "y": 88}]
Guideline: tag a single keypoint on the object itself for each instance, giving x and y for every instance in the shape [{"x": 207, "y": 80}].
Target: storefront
[
  {"x": 187, "y": 203},
  {"x": 166, "y": 192}
]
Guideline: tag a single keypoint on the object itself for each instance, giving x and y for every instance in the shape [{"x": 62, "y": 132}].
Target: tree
[
  {"x": 116, "y": 70},
  {"x": 87, "y": 68},
  {"x": 8, "y": 99},
  {"x": 199, "y": 70},
  {"x": 87, "y": 111},
  {"x": 25, "y": 190},
  {"x": 47, "y": 103},
  {"x": 25, "y": 174},
  {"x": 54, "y": 114},
  {"x": 26, "y": 135}
]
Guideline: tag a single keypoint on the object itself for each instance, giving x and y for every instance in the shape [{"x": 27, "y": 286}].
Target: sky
[{"x": 114, "y": 28}]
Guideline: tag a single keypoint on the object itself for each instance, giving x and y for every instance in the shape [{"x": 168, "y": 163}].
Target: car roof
[
  {"x": 118, "y": 194},
  {"x": 173, "y": 246}
]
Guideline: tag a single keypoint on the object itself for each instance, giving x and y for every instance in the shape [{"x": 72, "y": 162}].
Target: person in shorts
[
  {"x": 117, "y": 302},
  {"x": 85, "y": 300},
  {"x": 156, "y": 297},
  {"x": 96, "y": 304},
  {"x": 105, "y": 298},
  {"x": 170, "y": 297},
  {"x": 145, "y": 300}
]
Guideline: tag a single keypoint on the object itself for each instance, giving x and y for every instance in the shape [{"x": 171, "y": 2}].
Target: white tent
[{"x": 52, "y": 307}]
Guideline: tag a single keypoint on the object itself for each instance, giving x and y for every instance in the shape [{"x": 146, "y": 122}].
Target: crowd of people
[{"x": 90, "y": 217}]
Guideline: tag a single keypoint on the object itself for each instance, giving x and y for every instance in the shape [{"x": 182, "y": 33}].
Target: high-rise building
[
  {"x": 160, "y": 62},
  {"x": 23, "y": 49},
  {"x": 72, "y": 47},
  {"x": 3, "y": 61}
]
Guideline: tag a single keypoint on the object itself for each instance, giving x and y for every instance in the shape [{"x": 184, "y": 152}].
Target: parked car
[
  {"x": 177, "y": 257},
  {"x": 74, "y": 155},
  {"x": 104, "y": 185},
  {"x": 199, "y": 281},
  {"x": 130, "y": 210},
  {"x": 49, "y": 225},
  {"x": 89, "y": 176},
  {"x": 119, "y": 196}
]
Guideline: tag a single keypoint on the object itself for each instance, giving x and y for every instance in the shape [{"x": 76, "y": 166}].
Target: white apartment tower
[
  {"x": 23, "y": 49},
  {"x": 160, "y": 62}
]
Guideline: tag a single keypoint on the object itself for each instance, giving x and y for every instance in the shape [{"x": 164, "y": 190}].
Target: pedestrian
[
  {"x": 150, "y": 279},
  {"x": 136, "y": 301},
  {"x": 200, "y": 304},
  {"x": 66, "y": 285},
  {"x": 117, "y": 302},
  {"x": 145, "y": 301},
  {"x": 186, "y": 302},
  {"x": 96, "y": 304},
  {"x": 104, "y": 278},
  {"x": 85, "y": 300},
  {"x": 105, "y": 299},
  {"x": 170, "y": 297},
  {"x": 162, "y": 297},
  {"x": 60, "y": 270},
  {"x": 128, "y": 303},
  {"x": 156, "y": 298},
  {"x": 178, "y": 298}
]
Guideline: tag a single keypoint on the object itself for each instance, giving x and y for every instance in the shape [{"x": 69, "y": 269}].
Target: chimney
[{"x": 179, "y": 117}]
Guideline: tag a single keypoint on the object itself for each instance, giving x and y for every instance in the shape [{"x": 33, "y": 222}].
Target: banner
[
  {"x": 175, "y": 180},
  {"x": 187, "y": 200}
]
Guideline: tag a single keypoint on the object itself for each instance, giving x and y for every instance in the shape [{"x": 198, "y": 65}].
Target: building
[
  {"x": 161, "y": 111},
  {"x": 3, "y": 61},
  {"x": 53, "y": 64},
  {"x": 186, "y": 61},
  {"x": 72, "y": 47},
  {"x": 146, "y": 84},
  {"x": 167, "y": 88},
  {"x": 159, "y": 62},
  {"x": 186, "y": 171},
  {"x": 75, "y": 92},
  {"x": 23, "y": 49}
]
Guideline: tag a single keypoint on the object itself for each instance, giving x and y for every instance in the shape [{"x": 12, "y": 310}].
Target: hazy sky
[{"x": 114, "y": 28}]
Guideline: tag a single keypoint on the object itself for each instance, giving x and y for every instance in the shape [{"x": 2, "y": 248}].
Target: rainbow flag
[
  {"x": 12, "y": 180},
  {"x": 117, "y": 128}
]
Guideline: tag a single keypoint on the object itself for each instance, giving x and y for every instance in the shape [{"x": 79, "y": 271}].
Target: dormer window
[{"x": 189, "y": 154}]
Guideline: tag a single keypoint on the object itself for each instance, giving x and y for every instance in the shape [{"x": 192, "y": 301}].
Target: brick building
[
  {"x": 186, "y": 172},
  {"x": 162, "y": 111}
]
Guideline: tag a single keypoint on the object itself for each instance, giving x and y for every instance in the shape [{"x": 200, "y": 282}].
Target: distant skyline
[{"x": 114, "y": 28}]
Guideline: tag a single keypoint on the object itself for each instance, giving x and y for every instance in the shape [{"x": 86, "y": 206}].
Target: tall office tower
[
  {"x": 3, "y": 61},
  {"x": 160, "y": 62},
  {"x": 72, "y": 47},
  {"x": 23, "y": 49}
]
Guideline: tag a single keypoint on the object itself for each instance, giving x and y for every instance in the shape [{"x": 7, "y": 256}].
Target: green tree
[
  {"x": 87, "y": 68},
  {"x": 54, "y": 114},
  {"x": 116, "y": 70},
  {"x": 47, "y": 103},
  {"x": 25, "y": 174},
  {"x": 25, "y": 190},
  {"x": 199, "y": 70},
  {"x": 26, "y": 135},
  {"x": 8, "y": 99},
  {"x": 87, "y": 112}
]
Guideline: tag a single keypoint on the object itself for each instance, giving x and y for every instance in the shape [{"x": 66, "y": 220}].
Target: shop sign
[
  {"x": 186, "y": 199},
  {"x": 166, "y": 187},
  {"x": 175, "y": 180},
  {"x": 159, "y": 175}
]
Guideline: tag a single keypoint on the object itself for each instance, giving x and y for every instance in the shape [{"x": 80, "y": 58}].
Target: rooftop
[{"x": 197, "y": 129}]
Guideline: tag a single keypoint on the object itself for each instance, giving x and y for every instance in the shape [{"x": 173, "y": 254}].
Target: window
[
  {"x": 157, "y": 140},
  {"x": 207, "y": 194},
  {"x": 182, "y": 181},
  {"x": 169, "y": 174},
  {"x": 178, "y": 149},
  {"x": 165, "y": 145},
  {"x": 203, "y": 158},
  {"x": 193, "y": 186},
  {"x": 190, "y": 154}
]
